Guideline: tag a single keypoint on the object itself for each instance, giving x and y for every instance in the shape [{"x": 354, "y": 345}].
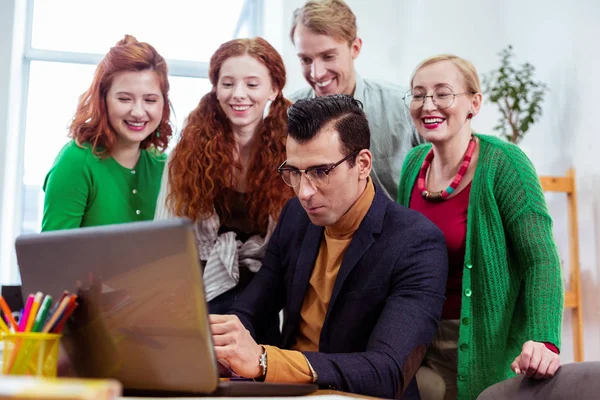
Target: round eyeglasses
[
  {"x": 318, "y": 176},
  {"x": 442, "y": 97}
]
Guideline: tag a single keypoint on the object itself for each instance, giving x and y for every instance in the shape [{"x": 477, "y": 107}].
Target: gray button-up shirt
[{"x": 393, "y": 134}]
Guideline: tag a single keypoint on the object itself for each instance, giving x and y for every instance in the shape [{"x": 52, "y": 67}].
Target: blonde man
[{"x": 324, "y": 34}]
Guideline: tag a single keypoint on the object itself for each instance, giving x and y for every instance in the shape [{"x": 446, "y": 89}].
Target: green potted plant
[{"x": 518, "y": 96}]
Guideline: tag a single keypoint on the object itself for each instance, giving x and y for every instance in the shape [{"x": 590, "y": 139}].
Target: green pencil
[{"x": 42, "y": 314}]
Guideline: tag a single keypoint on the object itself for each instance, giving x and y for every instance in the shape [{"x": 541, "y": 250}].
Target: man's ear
[
  {"x": 364, "y": 160},
  {"x": 355, "y": 47}
]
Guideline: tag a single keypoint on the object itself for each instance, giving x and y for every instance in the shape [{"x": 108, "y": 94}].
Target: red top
[{"x": 450, "y": 216}]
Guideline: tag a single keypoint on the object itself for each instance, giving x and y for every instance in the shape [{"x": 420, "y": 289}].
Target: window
[
  {"x": 179, "y": 29},
  {"x": 67, "y": 39}
]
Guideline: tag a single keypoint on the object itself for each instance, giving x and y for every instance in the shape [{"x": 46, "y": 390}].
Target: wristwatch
[{"x": 262, "y": 363}]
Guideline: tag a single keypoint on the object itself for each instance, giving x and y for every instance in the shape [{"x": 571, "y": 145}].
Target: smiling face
[
  {"x": 327, "y": 64},
  {"x": 433, "y": 123},
  {"x": 243, "y": 89},
  {"x": 326, "y": 205},
  {"x": 135, "y": 104}
]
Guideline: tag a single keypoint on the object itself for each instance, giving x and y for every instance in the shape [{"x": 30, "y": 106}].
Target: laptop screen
[{"x": 142, "y": 316}]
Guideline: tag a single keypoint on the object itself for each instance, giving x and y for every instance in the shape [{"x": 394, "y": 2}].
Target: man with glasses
[
  {"x": 324, "y": 34},
  {"x": 361, "y": 279}
]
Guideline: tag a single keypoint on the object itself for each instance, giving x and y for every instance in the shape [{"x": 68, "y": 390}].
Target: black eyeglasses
[
  {"x": 442, "y": 97},
  {"x": 318, "y": 176}
]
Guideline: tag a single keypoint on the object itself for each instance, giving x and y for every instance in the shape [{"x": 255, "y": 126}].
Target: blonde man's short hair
[
  {"x": 467, "y": 69},
  {"x": 326, "y": 17}
]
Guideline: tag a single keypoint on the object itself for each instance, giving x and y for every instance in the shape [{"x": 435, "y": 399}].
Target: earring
[
  {"x": 157, "y": 133},
  {"x": 470, "y": 115}
]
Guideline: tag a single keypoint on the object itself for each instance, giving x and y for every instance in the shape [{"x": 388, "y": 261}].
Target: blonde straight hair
[
  {"x": 467, "y": 69},
  {"x": 326, "y": 17}
]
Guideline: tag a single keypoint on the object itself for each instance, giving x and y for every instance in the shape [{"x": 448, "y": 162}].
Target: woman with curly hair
[
  {"x": 110, "y": 172},
  {"x": 222, "y": 173}
]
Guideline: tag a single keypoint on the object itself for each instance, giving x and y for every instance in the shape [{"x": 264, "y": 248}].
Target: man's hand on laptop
[{"x": 234, "y": 346}]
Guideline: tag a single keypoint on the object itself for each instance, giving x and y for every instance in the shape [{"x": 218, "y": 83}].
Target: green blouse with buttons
[{"x": 83, "y": 189}]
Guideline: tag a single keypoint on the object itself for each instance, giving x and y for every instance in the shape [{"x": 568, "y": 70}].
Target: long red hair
[
  {"x": 90, "y": 123},
  {"x": 202, "y": 163}
]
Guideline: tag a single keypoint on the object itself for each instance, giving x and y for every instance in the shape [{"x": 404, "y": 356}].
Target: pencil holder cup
[{"x": 34, "y": 354}]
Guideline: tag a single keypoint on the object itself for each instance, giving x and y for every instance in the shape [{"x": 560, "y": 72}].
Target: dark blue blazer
[{"x": 386, "y": 302}]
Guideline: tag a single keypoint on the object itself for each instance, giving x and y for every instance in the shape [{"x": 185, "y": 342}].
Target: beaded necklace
[{"x": 444, "y": 194}]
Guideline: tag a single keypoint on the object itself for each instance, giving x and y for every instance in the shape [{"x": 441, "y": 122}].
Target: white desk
[{"x": 323, "y": 395}]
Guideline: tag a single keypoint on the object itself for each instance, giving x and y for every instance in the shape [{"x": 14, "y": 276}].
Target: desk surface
[{"x": 323, "y": 394}]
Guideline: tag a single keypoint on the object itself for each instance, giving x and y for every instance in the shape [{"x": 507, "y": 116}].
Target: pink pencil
[{"x": 25, "y": 316}]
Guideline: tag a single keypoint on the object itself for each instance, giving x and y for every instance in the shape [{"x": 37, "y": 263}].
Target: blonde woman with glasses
[{"x": 504, "y": 294}]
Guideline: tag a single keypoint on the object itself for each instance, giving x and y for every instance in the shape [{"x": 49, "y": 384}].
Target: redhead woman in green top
[
  {"x": 504, "y": 295},
  {"x": 110, "y": 172}
]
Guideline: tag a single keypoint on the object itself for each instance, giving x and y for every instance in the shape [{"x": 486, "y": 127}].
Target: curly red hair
[
  {"x": 202, "y": 164},
  {"x": 90, "y": 123}
]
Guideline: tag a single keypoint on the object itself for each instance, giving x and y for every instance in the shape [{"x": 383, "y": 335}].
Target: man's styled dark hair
[{"x": 306, "y": 118}]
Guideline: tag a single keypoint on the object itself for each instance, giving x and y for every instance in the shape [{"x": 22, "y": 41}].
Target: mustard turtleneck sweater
[{"x": 291, "y": 365}]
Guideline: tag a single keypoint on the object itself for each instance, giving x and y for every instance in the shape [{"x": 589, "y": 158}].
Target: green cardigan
[
  {"x": 82, "y": 189},
  {"x": 512, "y": 282}
]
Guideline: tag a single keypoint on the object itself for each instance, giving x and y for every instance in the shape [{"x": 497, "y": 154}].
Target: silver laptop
[{"x": 142, "y": 316}]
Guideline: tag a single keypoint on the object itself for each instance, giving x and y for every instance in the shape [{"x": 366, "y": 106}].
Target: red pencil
[
  {"x": 62, "y": 296},
  {"x": 54, "y": 318},
  {"x": 72, "y": 305}
]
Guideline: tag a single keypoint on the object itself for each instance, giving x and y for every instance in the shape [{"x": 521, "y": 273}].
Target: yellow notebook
[{"x": 28, "y": 388}]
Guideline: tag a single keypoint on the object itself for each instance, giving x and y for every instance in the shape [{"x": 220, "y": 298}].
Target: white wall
[{"x": 556, "y": 37}]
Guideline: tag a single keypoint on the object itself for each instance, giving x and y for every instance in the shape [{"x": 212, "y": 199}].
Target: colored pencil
[
  {"x": 37, "y": 300},
  {"x": 3, "y": 326},
  {"x": 8, "y": 314},
  {"x": 72, "y": 305},
  {"x": 55, "y": 317},
  {"x": 42, "y": 314},
  {"x": 25, "y": 315},
  {"x": 64, "y": 294}
]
